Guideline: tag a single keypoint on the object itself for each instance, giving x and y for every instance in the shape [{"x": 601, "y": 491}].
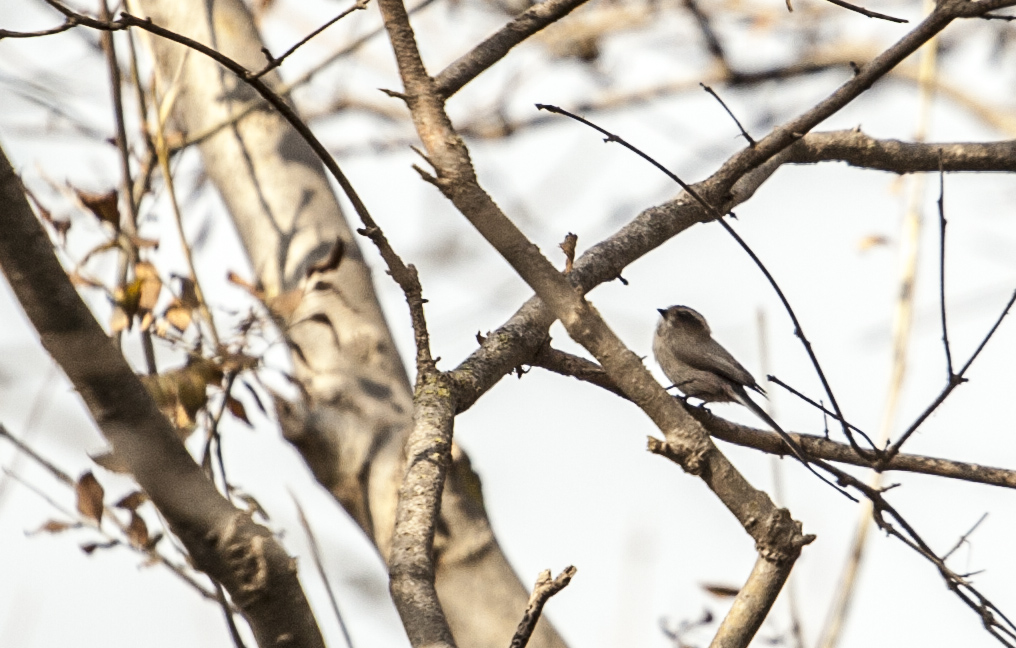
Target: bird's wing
[{"x": 713, "y": 357}]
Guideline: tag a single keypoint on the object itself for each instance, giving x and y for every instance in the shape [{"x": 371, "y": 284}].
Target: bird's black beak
[{"x": 662, "y": 311}]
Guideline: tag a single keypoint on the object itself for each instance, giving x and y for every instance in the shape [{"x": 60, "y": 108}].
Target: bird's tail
[{"x": 795, "y": 447}]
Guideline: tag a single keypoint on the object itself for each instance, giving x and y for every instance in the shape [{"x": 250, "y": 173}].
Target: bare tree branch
[
  {"x": 861, "y": 150},
  {"x": 222, "y": 541},
  {"x": 411, "y": 565},
  {"x": 545, "y": 588},
  {"x": 777, "y": 536},
  {"x": 767, "y": 441},
  {"x": 765, "y": 582},
  {"x": 495, "y": 47}
]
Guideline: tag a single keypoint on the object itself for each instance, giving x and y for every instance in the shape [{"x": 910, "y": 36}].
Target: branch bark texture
[
  {"x": 778, "y": 538},
  {"x": 221, "y": 540},
  {"x": 353, "y": 424}
]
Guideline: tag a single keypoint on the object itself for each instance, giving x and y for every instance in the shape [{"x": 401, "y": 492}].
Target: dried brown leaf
[
  {"x": 110, "y": 462},
  {"x": 126, "y": 304},
  {"x": 237, "y": 409},
  {"x": 149, "y": 285},
  {"x": 183, "y": 419},
  {"x": 237, "y": 280},
  {"x": 723, "y": 591},
  {"x": 181, "y": 393},
  {"x": 119, "y": 321},
  {"x": 90, "y": 547},
  {"x": 80, "y": 280},
  {"x": 89, "y": 494},
  {"x": 54, "y": 526},
  {"x": 104, "y": 206},
  {"x": 188, "y": 292},
  {"x": 137, "y": 532},
  {"x": 131, "y": 501},
  {"x": 178, "y": 315}
]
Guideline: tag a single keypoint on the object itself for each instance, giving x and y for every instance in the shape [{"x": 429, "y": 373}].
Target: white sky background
[{"x": 566, "y": 476}]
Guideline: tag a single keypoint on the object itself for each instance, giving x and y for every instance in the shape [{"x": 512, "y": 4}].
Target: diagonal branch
[
  {"x": 945, "y": 12},
  {"x": 779, "y": 539},
  {"x": 468, "y": 66},
  {"x": 222, "y": 541}
]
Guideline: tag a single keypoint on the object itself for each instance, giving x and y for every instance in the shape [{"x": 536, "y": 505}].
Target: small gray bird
[{"x": 701, "y": 368}]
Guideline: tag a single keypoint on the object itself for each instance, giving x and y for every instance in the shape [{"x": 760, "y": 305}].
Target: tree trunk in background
[{"x": 358, "y": 409}]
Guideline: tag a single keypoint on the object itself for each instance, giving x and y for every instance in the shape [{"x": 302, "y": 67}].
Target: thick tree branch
[
  {"x": 468, "y": 66},
  {"x": 411, "y": 564},
  {"x": 768, "y": 441},
  {"x": 765, "y": 582},
  {"x": 352, "y": 424},
  {"x": 516, "y": 341},
  {"x": 221, "y": 540},
  {"x": 861, "y": 150},
  {"x": 944, "y": 13},
  {"x": 778, "y": 538}
]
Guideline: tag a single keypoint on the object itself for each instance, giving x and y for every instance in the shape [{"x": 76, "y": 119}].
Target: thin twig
[
  {"x": 272, "y": 97},
  {"x": 315, "y": 553},
  {"x": 70, "y": 23},
  {"x": 995, "y": 621},
  {"x": 866, "y": 12},
  {"x": 941, "y": 266},
  {"x": 66, "y": 479},
  {"x": 963, "y": 538},
  {"x": 285, "y": 89},
  {"x": 228, "y": 612},
  {"x": 819, "y": 406},
  {"x": 39, "y": 459},
  {"x": 164, "y": 108},
  {"x": 409, "y": 280},
  {"x": 130, "y": 255},
  {"x": 574, "y": 366},
  {"x": 954, "y": 382},
  {"x": 497, "y": 45},
  {"x": 214, "y": 439},
  {"x": 545, "y": 588},
  {"x": 274, "y": 62},
  {"x": 705, "y": 26},
  {"x": 141, "y": 182},
  {"x": 718, "y": 216},
  {"x": 744, "y": 133},
  {"x": 799, "y": 333}
]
